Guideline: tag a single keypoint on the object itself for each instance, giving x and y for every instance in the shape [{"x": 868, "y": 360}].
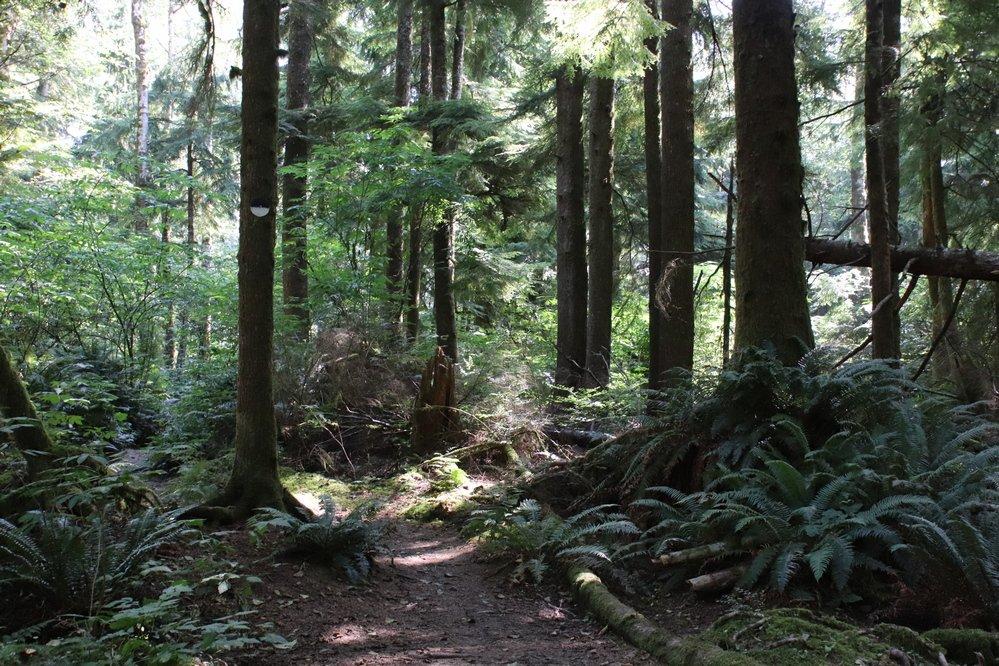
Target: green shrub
[
  {"x": 346, "y": 543},
  {"x": 536, "y": 541},
  {"x": 839, "y": 484},
  {"x": 77, "y": 565}
]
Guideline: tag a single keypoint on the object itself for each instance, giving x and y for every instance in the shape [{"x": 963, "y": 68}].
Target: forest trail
[{"x": 431, "y": 599}]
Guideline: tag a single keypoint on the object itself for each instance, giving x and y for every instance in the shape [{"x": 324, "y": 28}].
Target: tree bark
[
  {"x": 433, "y": 411},
  {"x": 677, "y": 295},
  {"x": 771, "y": 294},
  {"x": 393, "y": 225},
  {"x": 858, "y": 197},
  {"x": 600, "y": 254},
  {"x": 654, "y": 198},
  {"x": 937, "y": 261},
  {"x": 142, "y": 110},
  {"x": 951, "y": 364},
  {"x": 414, "y": 274},
  {"x": 883, "y": 288},
  {"x": 570, "y": 257},
  {"x": 294, "y": 232},
  {"x": 727, "y": 266},
  {"x": 170, "y": 326},
  {"x": 425, "y": 48},
  {"x": 205, "y": 346},
  {"x": 458, "y": 48},
  {"x": 254, "y": 482},
  {"x": 189, "y": 249},
  {"x": 30, "y": 436},
  {"x": 443, "y": 237}
]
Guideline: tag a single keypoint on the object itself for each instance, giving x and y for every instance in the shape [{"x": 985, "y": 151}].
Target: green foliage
[
  {"x": 346, "y": 543},
  {"x": 537, "y": 541},
  {"x": 79, "y": 565},
  {"x": 844, "y": 483}
]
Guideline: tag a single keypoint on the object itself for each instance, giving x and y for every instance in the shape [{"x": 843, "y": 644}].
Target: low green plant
[
  {"x": 68, "y": 564},
  {"x": 536, "y": 540},
  {"x": 346, "y": 543}
]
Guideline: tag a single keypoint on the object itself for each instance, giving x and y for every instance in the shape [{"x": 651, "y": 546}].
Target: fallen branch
[
  {"x": 717, "y": 580},
  {"x": 943, "y": 330},
  {"x": 938, "y": 262},
  {"x": 627, "y": 622},
  {"x": 693, "y": 554}
]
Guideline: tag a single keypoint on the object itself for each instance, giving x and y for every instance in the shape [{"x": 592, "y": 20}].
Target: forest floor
[{"x": 432, "y": 597}]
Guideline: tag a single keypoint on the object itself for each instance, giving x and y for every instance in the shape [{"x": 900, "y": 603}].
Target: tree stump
[{"x": 434, "y": 417}]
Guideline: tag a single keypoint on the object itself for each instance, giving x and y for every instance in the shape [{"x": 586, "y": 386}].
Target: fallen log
[
  {"x": 936, "y": 262},
  {"x": 591, "y": 592},
  {"x": 575, "y": 437},
  {"x": 693, "y": 554},
  {"x": 717, "y": 580}
]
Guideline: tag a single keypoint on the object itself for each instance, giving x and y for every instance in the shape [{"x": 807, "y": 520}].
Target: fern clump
[
  {"x": 345, "y": 543},
  {"x": 838, "y": 485},
  {"x": 72, "y": 565},
  {"x": 536, "y": 540}
]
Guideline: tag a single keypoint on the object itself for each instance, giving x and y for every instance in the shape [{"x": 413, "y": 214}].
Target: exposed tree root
[
  {"x": 232, "y": 506},
  {"x": 591, "y": 592}
]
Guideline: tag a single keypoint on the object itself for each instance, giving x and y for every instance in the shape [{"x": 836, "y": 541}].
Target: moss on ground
[
  {"x": 964, "y": 645},
  {"x": 345, "y": 494},
  {"x": 794, "y": 636}
]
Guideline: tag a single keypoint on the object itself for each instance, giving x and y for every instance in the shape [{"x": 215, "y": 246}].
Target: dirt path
[{"x": 432, "y": 601}]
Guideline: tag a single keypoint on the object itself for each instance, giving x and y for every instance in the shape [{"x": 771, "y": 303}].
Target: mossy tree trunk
[
  {"x": 294, "y": 231},
  {"x": 677, "y": 89},
  {"x": 570, "y": 231},
  {"x": 254, "y": 481},
  {"x": 771, "y": 294},
  {"x": 29, "y": 435},
  {"x": 600, "y": 253},
  {"x": 884, "y": 292},
  {"x": 654, "y": 188}
]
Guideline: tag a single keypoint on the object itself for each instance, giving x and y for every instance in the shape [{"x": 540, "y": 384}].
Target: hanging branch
[{"x": 943, "y": 330}]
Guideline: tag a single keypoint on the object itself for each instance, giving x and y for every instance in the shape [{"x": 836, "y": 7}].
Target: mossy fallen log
[
  {"x": 694, "y": 554},
  {"x": 631, "y": 625}
]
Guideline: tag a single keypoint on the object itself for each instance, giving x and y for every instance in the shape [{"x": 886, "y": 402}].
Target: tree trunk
[
  {"x": 890, "y": 71},
  {"x": 771, "y": 294},
  {"x": 951, "y": 365},
  {"x": 393, "y": 225},
  {"x": 414, "y": 274},
  {"x": 142, "y": 177},
  {"x": 30, "y": 437},
  {"x": 170, "y": 326},
  {"x": 425, "y": 48},
  {"x": 600, "y": 255},
  {"x": 254, "y": 482},
  {"x": 205, "y": 346},
  {"x": 727, "y": 266},
  {"x": 939, "y": 262},
  {"x": 458, "y": 48},
  {"x": 883, "y": 288},
  {"x": 570, "y": 257},
  {"x": 294, "y": 232},
  {"x": 858, "y": 198},
  {"x": 653, "y": 188},
  {"x": 433, "y": 411},
  {"x": 189, "y": 248},
  {"x": 443, "y": 237},
  {"x": 677, "y": 295}
]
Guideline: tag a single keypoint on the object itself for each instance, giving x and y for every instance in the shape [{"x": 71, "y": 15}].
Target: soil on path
[{"x": 432, "y": 600}]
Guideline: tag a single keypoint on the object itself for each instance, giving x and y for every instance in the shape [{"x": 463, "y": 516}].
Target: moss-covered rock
[
  {"x": 445, "y": 506},
  {"x": 794, "y": 636},
  {"x": 964, "y": 645}
]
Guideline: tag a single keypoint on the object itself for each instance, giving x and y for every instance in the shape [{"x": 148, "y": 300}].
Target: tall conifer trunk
[
  {"x": 444, "y": 308},
  {"x": 600, "y": 253},
  {"x": 653, "y": 188},
  {"x": 394, "y": 223},
  {"x": 771, "y": 294},
  {"x": 254, "y": 482},
  {"x": 142, "y": 177},
  {"x": 31, "y": 439},
  {"x": 677, "y": 87},
  {"x": 883, "y": 293},
  {"x": 294, "y": 232},
  {"x": 570, "y": 258}
]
